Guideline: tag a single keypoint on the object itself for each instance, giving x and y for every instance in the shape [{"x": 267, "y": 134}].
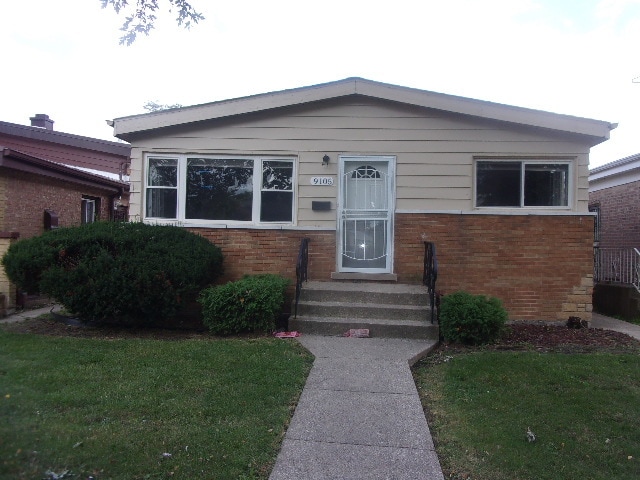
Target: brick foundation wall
[
  {"x": 541, "y": 267},
  {"x": 619, "y": 215},
  {"x": 247, "y": 251}
]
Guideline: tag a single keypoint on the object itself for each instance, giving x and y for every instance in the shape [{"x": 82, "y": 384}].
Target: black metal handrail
[
  {"x": 430, "y": 274},
  {"x": 301, "y": 270}
]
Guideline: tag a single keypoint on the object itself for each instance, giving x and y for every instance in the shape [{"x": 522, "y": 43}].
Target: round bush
[
  {"x": 251, "y": 304},
  {"x": 471, "y": 319},
  {"x": 127, "y": 273}
]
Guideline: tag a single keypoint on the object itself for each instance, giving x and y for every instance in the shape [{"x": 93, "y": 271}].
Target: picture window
[{"x": 220, "y": 189}]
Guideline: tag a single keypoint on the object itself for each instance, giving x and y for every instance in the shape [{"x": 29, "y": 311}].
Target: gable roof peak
[{"x": 125, "y": 127}]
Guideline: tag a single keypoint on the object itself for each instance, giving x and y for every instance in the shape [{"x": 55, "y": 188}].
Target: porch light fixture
[{"x": 325, "y": 160}]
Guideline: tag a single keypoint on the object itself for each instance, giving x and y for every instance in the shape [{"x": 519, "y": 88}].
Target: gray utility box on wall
[{"x": 320, "y": 206}]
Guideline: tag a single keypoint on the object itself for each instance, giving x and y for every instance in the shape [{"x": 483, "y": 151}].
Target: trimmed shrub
[
  {"x": 471, "y": 319},
  {"x": 125, "y": 273},
  {"x": 252, "y": 304}
]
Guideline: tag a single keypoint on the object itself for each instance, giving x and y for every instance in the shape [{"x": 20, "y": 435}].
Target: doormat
[
  {"x": 357, "y": 333},
  {"x": 286, "y": 334}
]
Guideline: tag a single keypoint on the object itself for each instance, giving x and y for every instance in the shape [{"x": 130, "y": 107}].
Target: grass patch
[
  {"x": 583, "y": 409},
  {"x": 113, "y": 408},
  {"x": 634, "y": 320}
]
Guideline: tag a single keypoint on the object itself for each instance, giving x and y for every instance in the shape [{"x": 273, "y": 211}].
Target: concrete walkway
[
  {"x": 31, "y": 313},
  {"x": 359, "y": 416},
  {"x": 608, "y": 323}
]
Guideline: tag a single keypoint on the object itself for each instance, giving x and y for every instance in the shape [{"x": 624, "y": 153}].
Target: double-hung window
[
  {"x": 523, "y": 183},
  {"x": 162, "y": 187},
  {"x": 210, "y": 189}
]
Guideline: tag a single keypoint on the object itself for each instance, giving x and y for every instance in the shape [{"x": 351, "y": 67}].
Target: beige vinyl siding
[
  {"x": 582, "y": 182},
  {"x": 135, "y": 184},
  {"x": 434, "y": 150}
]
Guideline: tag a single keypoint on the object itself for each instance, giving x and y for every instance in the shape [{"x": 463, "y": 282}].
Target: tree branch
[{"x": 143, "y": 18}]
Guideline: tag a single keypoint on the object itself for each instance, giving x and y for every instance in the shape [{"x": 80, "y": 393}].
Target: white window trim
[
  {"x": 527, "y": 161},
  {"x": 85, "y": 210},
  {"x": 181, "y": 189}
]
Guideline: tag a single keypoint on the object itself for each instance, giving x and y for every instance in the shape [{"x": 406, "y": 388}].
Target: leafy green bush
[
  {"x": 251, "y": 304},
  {"x": 471, "y": 319},
  {"x": 127, "y": 273}
]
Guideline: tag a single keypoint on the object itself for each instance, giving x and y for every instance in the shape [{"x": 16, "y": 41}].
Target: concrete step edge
[
  {"x": 364, "y": 287},
  {"x": 390, "y": 329},
  {"x": 313, "y": 303},
  {"x": 377, "y": 321}
]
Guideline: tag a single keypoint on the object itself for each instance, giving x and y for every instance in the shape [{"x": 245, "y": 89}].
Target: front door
[{"x": 365, "y": 214}]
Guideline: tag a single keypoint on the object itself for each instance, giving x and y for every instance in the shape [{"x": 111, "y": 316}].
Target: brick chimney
[{"x": 41, "y": 120}]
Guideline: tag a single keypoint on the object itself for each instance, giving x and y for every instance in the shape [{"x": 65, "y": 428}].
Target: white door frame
[{"x": 342, "y": 216}]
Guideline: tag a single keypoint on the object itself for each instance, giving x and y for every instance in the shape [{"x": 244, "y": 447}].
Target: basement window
[{"x": 522, "y": 183}]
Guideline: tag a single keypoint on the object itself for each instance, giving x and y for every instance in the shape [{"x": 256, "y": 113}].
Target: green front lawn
[
  {"x": 584, "y": 410},
  {"x": 144, "y": 409}
]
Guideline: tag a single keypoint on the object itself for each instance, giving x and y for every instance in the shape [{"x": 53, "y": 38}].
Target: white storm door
[{"x": 365, "y": 214}]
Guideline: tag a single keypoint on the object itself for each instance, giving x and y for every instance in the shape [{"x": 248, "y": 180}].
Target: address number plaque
[{"x": 324, "y": 181}]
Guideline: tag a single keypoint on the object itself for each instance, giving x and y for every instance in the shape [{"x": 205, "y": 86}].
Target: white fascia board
[
  {"x": 226, "y": 108},
  {"x": 423, "y": 98},
  {"x": 615, "y": 177},
  {"x": 619, "y": 169},
  {"x": 489, "y": 110}
]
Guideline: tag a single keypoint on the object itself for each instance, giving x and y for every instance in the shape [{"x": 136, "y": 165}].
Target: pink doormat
[
  {"x": 357, "y": 333},
  {"x": 286, "y": 334}
]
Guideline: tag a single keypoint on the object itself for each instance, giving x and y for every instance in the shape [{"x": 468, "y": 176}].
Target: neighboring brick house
[
  {"x": 614, "y": 196},
  {"x": 368, "y": 172},
  {"x": 50, "y": 179}
]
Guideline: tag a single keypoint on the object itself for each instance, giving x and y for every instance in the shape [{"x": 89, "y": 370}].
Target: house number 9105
[{"x": 321, "y": 180}]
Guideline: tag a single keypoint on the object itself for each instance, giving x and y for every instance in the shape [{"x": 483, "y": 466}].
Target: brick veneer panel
[
  {"x": 619, "y": 215},
  {"x": 251, "y": 251},
  {"x": 27, "y": 196},
  {"x": 541, "y": 267}
]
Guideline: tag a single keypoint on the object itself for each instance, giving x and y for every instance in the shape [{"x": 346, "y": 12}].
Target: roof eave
[
  {"x": 17, "y": 160},
  {"x": 618, "y": 163},
  {"x": 597, "y": 130},
  {"x": 225, "y": 108},
  {"x": 624, "y": 166},
  {"x": 67, "y": 139}
]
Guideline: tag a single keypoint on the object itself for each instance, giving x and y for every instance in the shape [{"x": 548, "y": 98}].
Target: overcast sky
[{"x": 577, "y": 57}]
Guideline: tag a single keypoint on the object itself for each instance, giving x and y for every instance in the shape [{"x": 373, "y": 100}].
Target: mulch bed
[
  {"x": 519, "y": 336},
  {"x": 553, "y": 338},
  {"x": 45, "y": 325}
]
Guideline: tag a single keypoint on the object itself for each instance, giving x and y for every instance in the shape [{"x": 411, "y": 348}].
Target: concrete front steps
[{"x": 385, "y": 309}]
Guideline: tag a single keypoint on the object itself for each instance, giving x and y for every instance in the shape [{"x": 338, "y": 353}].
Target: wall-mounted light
[{"x": 325, "y": 160}]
